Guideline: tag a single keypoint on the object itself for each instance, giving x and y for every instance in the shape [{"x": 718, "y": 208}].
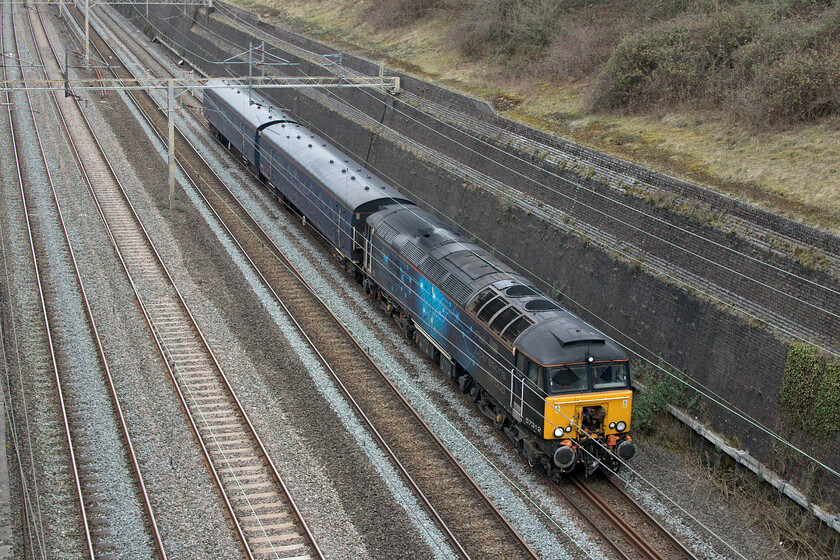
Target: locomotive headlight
[
  {"x": 558, "y": 431},
  {"x": 568, "y": 429},
  {"x": 621, "y": 426},
  {"x": 612, "y": 425}
]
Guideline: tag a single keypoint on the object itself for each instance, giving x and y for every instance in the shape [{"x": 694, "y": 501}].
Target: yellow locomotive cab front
[
  {"x": 590, "y": 429},
  {"x": 566, "y": 412}
]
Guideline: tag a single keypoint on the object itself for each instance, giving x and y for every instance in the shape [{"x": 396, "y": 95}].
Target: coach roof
[
  {"x": 355, "y": 187},
  {"x": 253, "y": 109}
]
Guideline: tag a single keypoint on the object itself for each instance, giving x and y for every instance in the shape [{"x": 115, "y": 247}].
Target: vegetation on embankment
[{"x": 742, "y": 96}]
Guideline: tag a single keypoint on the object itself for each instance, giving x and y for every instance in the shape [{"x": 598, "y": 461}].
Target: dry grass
[
  {"x": 793, "y": 171},
  {"x": 796, "y": 530}
]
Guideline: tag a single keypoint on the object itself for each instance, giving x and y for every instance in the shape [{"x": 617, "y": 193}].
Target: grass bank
[{"x": 741, "y": 96}]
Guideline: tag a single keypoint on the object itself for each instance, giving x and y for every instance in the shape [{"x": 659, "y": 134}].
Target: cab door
[
  {"x": 517, "y": 385},
  {"x": 368, "y": 257}
]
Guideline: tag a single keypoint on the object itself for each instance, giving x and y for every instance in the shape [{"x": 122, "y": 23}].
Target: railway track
[
  {"x": 35, "y": 251},
  {"x": 198, "y": 378},
  {"x": 263, "y": 513},
  {"x": 471, "y": 522},
  {"x": 627, "y": 528},
  {"x": 95, "y": 504},
  {"x": 266, "y": 258},
  {"x": 101, "y": 533},
  {"x": 629, "y": 539},
  {"x": 637, "y": 543}
]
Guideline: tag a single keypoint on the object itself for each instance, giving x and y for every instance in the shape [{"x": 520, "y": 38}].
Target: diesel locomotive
[{"x": 557, "y": 387}]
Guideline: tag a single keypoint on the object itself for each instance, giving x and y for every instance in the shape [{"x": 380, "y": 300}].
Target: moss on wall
[
  {"x": 810, "y": 391},
  {"x": 827, "y": 405}
]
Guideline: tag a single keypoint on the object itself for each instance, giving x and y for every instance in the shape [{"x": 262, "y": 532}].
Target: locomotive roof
[
  {"x": 552, "y": 336},
  {"x": 255, "y": 110},
  {"x": 567, "y": 339},
  {"x": 454, "y": 264}
]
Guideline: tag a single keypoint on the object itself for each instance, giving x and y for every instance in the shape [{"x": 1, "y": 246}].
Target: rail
[{"x": 156, "y": 534}]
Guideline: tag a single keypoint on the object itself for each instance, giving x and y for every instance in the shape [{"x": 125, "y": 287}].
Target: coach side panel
[
  {"x": 314, "y": 201},
  {"x": 238, "y": 132}
]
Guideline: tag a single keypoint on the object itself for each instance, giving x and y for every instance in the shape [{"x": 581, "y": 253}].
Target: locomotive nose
[{"x": 565, "y": 457}]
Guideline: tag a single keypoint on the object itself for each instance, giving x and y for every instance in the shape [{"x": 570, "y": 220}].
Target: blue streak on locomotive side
[{"x": 430, "y": 308}]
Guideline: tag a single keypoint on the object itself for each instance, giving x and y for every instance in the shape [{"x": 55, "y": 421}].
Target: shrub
[
  {"x": 810, "y": 392},
  {"x": 826, "y": 28},
  {"x": 649, "y": 403},
  {"x": 675, "y": 62},
  {"x": 639, "y": 68},
  {"x": 578, "y": 48},
  {"x": 793, "y": 7},
  {"x": 397, "y": 13},
  {"x": 765, "y": 63},
  {"x": 661, "y": 388},
  {"x": 510, "y": 27},
  {"x": 801, "y": 87}
]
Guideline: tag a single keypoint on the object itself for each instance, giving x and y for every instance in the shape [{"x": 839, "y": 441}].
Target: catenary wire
[
  {"x": 563, "y": 179},
  {"x": 625, "y": 254},
  {"x": 718, "y": 400},
  {"x": 572, "y": 420}
]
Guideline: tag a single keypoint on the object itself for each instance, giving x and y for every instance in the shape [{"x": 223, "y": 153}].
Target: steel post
[
  {"x": 87, "y": 33},
  {"x": 66, "y": 70},
  {"x": 171, "y": 119}
]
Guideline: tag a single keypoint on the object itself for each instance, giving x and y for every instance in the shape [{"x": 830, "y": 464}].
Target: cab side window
[
  {"x": 534, "y": 373},
  {"x": 521, "y": 362}
]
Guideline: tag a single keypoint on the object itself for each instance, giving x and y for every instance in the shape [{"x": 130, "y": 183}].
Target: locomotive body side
[
  {"x": 474, "y": 313},
  {"x": 427, "y": 279}
]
